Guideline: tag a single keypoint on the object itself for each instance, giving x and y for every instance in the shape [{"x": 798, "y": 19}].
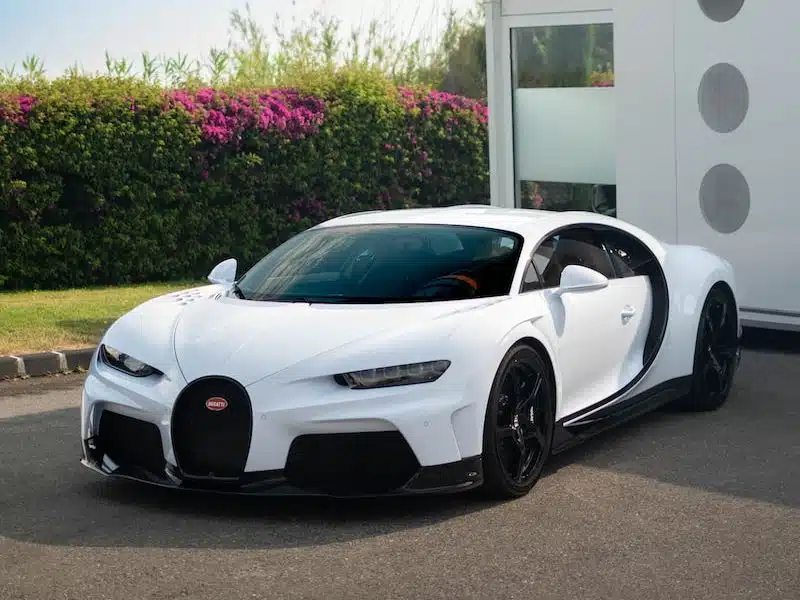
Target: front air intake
[
  {"x": 369, "y": 462},
  {"x": 131, "y": 443}
]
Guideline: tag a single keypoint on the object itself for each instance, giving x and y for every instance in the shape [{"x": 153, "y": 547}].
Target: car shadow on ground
[
  {"x": 771, "y": 340},
  {"x": 749, "y": 448},
  {"x": 47, "y": 497}
]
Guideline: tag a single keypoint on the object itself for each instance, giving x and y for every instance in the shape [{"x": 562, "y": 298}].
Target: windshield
[{"x": 386, "y": 263}]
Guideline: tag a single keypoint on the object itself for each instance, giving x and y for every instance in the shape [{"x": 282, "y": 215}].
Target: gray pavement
[{"x": 671, "y": 506}]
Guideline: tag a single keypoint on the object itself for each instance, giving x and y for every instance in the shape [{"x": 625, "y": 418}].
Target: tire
[
  {"x": 512, "y": 442},
  {"x": 716, "y": 354}
]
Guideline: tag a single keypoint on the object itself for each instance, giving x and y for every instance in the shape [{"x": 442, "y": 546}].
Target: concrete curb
[{"x": 45, "y": 363}]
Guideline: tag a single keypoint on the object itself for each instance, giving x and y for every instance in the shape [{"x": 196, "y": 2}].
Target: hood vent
[{"x": 185, "y": 297}]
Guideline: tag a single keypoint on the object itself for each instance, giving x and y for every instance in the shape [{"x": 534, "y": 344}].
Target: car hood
[{"x": 248, "y": 341}]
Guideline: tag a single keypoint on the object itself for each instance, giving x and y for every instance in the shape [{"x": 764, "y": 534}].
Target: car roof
[
  {"x": 515, "y": 220},
  {"x": 527, "y": 222}
]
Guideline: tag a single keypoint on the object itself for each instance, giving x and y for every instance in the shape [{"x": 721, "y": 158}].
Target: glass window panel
[{"x": 564, "y": 117}]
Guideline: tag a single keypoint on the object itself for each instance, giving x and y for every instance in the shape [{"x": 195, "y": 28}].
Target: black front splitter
[{"x": 447, "y": 478}]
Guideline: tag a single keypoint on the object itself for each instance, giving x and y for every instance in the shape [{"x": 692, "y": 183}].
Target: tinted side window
[
  {"x": 572, "y": 247},
  {"x": 544, "y": 253},
  {"x": 629, "y": 256},
  {"x": 530, "y": 280}
]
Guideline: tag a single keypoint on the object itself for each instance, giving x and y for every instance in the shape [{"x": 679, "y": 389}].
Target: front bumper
[
  {"x": 300, "y": 442},
  {"x": 439, "y": 479}
]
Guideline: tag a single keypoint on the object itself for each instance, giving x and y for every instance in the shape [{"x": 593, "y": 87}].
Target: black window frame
[
  {"x": 599, "y": 240},
  {"x": 632, "y": 246}
]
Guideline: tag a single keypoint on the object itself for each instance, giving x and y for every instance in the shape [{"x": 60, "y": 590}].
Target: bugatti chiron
[{"x": 410, "y": 351}]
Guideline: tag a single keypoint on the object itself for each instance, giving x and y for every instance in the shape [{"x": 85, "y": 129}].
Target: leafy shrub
[{"x": 109, "y": 180}]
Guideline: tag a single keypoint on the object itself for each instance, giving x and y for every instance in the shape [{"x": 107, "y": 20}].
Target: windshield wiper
[
  {"x": 335, "y": 299},
  {"x": 372, "y": 299}
]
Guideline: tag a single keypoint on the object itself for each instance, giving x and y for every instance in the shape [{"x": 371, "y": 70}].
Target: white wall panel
[{"x": 765, "y": 250}]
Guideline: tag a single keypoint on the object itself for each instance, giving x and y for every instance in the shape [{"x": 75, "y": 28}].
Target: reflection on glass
[
  {"x": 545, "y": 195},
  {"x": 564, "y": 117},
  {"x": 564, "y": 56},
  {"x": 376, "y": 264}
]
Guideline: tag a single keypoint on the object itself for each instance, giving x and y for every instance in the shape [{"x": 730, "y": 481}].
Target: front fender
[
  {"x": 498, "y": 329},
  {"x": 146, "y": 332}
]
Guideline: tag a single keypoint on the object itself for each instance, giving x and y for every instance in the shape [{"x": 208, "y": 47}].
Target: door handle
[{"x": 627, "y": 313}]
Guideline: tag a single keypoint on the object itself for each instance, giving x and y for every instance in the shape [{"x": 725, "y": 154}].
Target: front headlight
[
  {"x": 424, "y": 372},
  {"x": 125, "y": 363}
]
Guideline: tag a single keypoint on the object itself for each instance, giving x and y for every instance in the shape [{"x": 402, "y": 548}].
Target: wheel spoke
[
  {"x": 531, "y": 396},
  {"x": 519, "y": 440},
  {"x": 514, "y": 381},
  {"x": 723, "y": 317},
  {"x": 716, "y": 363},
  {"x": 708, "y": 325},
  {"x": 534, "y": 433},
  {"x": 716, "y": 375},
  {"x": 504, "y": 432},
  {"x": 525, "y": 461}
]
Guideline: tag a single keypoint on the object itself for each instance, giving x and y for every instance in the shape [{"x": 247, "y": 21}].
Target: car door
[
  {"x": 635, "y": 280},
  {"x": 592, "y": 328}
]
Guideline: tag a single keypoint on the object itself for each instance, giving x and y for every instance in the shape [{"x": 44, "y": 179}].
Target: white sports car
[{"x": 410, "y": 351}]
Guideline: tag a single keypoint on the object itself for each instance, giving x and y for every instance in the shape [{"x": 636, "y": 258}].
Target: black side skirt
[{"x": 565, "y": 437}]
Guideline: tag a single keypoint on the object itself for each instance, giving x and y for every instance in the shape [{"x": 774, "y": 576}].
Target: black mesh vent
[
  {"x": 351, "y": 463},
  {"x": 130, "y": 443},
  {"x": 212, "y": 443}
]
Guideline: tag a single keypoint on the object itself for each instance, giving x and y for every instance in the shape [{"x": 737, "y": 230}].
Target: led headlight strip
[
  {"x": 126, "y": 363},
  {"x": 409, "y": 374}
]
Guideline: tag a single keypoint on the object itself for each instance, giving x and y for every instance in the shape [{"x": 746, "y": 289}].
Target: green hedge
[{"x": 105, "y": 181}]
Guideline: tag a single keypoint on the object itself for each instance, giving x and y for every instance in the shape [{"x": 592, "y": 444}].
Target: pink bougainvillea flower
[
  {"x": 431, "y": 102},
  {"x": 223, "y": 119},
  {"x": 26, "y": 104},
  {"x": 15, "y": 109}
]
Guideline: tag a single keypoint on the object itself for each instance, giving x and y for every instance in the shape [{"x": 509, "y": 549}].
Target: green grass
[{"x": 38, "y": 321}]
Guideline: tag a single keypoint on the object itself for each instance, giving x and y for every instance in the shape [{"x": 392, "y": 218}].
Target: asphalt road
[{"x": 672, "y": 506}]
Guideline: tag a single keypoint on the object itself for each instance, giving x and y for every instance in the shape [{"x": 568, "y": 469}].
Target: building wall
[
  {"x": 643, "y": 131},
  {"x": 738, "y": 144},
  {"x": 645, "y": 86},
  {"x": 725, "y": 180}
]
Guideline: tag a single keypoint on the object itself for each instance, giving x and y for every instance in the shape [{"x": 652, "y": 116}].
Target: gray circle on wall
[
  {"x": 725, "y": 198},
  {"x": 723, "y": 97},
  {"x": 721, "y": 10}
]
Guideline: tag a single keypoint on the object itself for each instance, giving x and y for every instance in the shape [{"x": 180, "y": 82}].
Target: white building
[{"x": 699, "y": 134}]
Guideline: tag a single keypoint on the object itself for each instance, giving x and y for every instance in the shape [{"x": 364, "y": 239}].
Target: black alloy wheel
[
  {"x": 716, "y": 353},
  {"x": 518, "y": 430}
]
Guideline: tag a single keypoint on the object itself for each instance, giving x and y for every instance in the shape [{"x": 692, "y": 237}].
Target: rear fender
[{"x": 691, "y": 272}]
